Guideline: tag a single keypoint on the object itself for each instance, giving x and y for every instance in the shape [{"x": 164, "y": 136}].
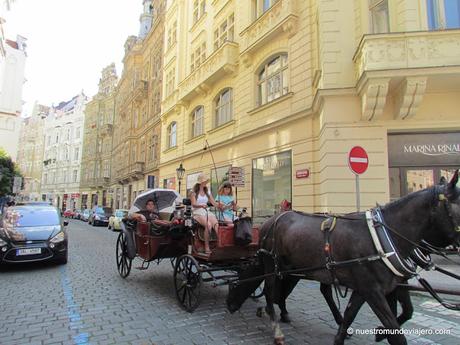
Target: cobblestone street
[{"x": 86, "y": 302}]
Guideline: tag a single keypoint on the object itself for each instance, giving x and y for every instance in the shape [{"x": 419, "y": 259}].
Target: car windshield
[
  {"x": 33, "y": 216},
  {"x": 102, "y": 211},
  {"x": 121, "y": 214}
]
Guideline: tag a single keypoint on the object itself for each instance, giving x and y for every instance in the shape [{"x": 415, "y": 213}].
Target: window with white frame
[
  {"x": 199, "y": 9},
  {"x": 77, "y": 133},
  {"x": 76, "y": 153},
  {"x": 225, "y": 32},
  {"x": 443, "y": 14},
  {"x": 172, "y": 135},
  {"x": 153, "y": 148},
  {"x": 74, "y": 176},
  {"x": 197, "y": 121},
  {"x": 273, "y": 79},
  {"x": 378, "y": 16},
  {"x": 224, "y": 107},
  {"x": 198, "y": 56},
  {"x": 106, "y": 172},
  {"x": 262, "y": 6},
  {"x": 172, "y": 34},
  {"x": 170, "y": 80}
]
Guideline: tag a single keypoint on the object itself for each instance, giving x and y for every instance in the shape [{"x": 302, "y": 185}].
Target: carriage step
[{"x": 142, "y": 268}]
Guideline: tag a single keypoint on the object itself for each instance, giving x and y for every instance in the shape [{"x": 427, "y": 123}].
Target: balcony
[
  {"x": 404, "y": 64},
  {"x": 218, "y": 65},
  {"x": 106, "y": 129},
  {"x": 140, "y": 90},
  {"x": 280, "y": 18},
  {"x": 130, "y": 173}
]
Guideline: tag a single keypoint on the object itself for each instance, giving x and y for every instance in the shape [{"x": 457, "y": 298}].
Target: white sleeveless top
[{"x": 201, "y": 199}]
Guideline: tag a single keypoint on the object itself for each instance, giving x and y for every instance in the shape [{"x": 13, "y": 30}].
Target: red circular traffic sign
[{"x": 358, "y": 160}]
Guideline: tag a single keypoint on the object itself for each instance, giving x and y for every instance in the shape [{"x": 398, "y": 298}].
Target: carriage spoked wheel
[
  {"x": 123, "y": 261},
  {"x": 187, "y": 282}
]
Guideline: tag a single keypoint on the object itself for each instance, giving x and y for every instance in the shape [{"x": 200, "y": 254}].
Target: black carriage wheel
[
  {"x": 259, "y": 292},
  {"x": 123, "y": 261},
  {"x": 173, "y": 262},
  {"x": 187, "y": 282}
]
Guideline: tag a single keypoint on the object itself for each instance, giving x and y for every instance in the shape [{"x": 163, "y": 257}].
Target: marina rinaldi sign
[{"x": 358, "y": 160}]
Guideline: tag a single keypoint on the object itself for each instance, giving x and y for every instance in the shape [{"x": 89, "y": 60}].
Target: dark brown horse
[{"x": 294, "y": 241}]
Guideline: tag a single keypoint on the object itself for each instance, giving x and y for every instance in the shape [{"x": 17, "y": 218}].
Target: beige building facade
[
  {"x": 30, "y": 152},
  {"x": 284, "y": 89},
  {"x": 96, "y": 161},
  {"x": 135, "y": 156}
]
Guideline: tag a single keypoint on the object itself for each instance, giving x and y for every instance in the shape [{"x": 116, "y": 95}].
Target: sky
[{"x": 69, "y": 42}]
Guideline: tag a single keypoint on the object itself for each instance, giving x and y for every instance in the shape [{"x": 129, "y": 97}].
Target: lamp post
[{"x": 180, "y": 174}]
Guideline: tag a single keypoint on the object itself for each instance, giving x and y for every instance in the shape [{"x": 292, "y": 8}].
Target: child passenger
[{"x": 225, "y": 202}]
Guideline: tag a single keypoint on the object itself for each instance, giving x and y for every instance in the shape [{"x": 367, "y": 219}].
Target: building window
[
  {"x": 225, "y": 32},
  {"x": 262, "y": 6},
  {"x": 199, "y": 9},
  {"x": 77, "y": 133},
  {"x": 198, "y": 57},
  {"x": 172, "y": 135},
  {"x": 443, "y": 14},
  {"x": 74, "y": 176},
  {"x": 153, "y": 148},
  {"x": 224, "y": 105},
  {"x": 272, "y": 183},
  {"x": 273, "y": 79},
  {"x": 172, "y": 35},
  {"x": 378, "y": 15},
  {"x": 170, "y": 79},
  {"x": 197, "y": 121}
]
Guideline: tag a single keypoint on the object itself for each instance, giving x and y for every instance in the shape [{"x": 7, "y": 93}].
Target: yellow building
[
  {"x": 285, "y": 88},
  {"x": 97, "y": 142},
  {"x": 30, "y": 152},
  {"x": 137, "y": 123}
]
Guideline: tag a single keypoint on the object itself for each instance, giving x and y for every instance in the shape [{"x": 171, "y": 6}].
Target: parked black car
[
  {"x": 32, "y": 233},
  {"x": 99, "y": 216}
]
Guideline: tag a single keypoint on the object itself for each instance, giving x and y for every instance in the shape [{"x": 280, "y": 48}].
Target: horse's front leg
[
  {"x": 381, "y": 308},
  {"x": 270, "y": 298},
  {"x": 326, "y": 290},
  {"x": 287, "y": 284},
  {"x": 353, "y": 306}
]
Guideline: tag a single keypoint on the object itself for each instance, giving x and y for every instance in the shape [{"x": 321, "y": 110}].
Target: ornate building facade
[
  {"x": 137, "y": 124},
  {"x": 96, "y": 164},
  {"x": 30, "y": 152},
  {"x": 283, "y": 89},
  {"x": 62, "y": 153}
]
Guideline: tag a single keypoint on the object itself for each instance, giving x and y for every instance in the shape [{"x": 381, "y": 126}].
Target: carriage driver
[{"x": 150, "y": 213}]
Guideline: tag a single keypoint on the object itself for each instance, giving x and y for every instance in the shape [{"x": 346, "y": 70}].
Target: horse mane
[{"x": 432, "y": 192}]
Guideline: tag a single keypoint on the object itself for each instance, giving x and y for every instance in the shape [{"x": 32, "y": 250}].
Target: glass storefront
[
  {"x": 271, "y": 183},
  {"x": 418, "y": 161}
]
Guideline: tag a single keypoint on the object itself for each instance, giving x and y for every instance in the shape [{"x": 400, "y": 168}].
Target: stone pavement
[{"x": 87, "y": 302}]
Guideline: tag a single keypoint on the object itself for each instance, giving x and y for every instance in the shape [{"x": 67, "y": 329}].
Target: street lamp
[{"x": 180, "y": 174}]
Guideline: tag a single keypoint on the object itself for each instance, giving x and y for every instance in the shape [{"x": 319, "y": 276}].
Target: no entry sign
[{"x": 358, "y": 160}]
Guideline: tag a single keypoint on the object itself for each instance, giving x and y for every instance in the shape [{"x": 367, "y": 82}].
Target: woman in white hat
[{"x": 200, "y": 197}]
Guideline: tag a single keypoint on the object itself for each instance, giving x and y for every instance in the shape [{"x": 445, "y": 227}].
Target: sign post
[{"x": 358, "y": 162}]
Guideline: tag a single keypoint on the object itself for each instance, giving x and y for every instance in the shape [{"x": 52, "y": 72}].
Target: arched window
[
  {"x": 197, "y": 118},
  {"x": 273, "y": 79},
  {"x": 224, "y": 107},
  {"x": 172, "y": 135}
]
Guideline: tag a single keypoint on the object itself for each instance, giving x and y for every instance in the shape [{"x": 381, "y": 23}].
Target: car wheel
[{"x": 94, "y": 223}]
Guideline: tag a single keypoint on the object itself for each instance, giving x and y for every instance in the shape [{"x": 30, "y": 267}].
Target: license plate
[{"x": 28, "y": 251}]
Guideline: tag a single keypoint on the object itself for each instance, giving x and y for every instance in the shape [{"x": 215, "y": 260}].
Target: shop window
[
  {"x": 197, "y": 119},
  {"x": 190, "y": 182},
  {"x": 271, "y": 183},
  {"x": 169, "y": 183},
  {"x": 443, "y": 14},
  {"x": 172, "y": 135},
  {"x": 378, "y": 15},
  {"x": 218, "y": 176},
  {"x": 273, "y": 79},
  {"x": 223, "y": 106}
]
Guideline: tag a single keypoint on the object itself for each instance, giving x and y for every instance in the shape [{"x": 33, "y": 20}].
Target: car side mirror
[{"x": 66, "y": 223}]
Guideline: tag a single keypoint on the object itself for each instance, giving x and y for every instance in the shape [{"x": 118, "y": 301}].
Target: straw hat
[{"x": 202, "y": 177}]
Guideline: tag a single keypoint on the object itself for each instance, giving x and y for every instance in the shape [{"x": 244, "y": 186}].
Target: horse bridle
[{"x": 448, "y": 208}]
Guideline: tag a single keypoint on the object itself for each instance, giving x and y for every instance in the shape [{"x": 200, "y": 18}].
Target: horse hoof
[
  {"x": 285, "y": 318},
  {"x": 259, "y": 312},
  {"x": 279, "y": 341}
]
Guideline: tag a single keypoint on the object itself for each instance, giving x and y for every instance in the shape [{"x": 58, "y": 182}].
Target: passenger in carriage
[
  {"x": 225, "y": 203},
  {"x": 200, "y": 197},
  {"x": 150, "y": 213}
]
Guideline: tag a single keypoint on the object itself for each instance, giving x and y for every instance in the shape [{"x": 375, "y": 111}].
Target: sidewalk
[{"x": 439, "y": 281}]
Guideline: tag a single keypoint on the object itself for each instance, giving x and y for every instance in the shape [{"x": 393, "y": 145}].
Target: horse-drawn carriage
[{"x": 175, "y": 235}]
